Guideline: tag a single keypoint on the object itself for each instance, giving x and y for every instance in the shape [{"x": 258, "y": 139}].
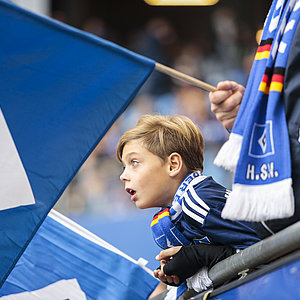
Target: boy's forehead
[
  {"x": 132, "y": 143},
  {"x": 133, "y": 146}
]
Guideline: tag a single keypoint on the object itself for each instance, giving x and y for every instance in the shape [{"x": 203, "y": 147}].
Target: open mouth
[{"x": 130, "y": 191}]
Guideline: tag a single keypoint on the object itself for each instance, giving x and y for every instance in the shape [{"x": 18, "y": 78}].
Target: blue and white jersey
[{"x": 196, "y": 214}]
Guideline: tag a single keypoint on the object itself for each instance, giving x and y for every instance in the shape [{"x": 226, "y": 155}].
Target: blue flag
[
  {"x": 65, "y": 261},
  {"x": 60, "y": 91}
]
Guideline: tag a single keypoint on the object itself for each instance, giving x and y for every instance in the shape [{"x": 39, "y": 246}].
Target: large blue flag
[
  {"x": 60, "y": 91},
  {"x": 65, "y": 261}
]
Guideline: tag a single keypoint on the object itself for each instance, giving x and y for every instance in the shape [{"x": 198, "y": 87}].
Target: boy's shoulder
[
  {"x": 210, "y": 192},
  {"x": 208, "y": 184}
]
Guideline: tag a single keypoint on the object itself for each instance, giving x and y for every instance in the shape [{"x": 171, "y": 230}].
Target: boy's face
[{"x": 146, "y": 177}]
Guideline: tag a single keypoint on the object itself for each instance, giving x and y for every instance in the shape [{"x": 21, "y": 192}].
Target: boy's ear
[{"x": 175, "y": 164}]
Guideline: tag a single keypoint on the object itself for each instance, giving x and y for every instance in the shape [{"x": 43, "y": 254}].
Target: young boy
[{"x": 163, "y": 163}]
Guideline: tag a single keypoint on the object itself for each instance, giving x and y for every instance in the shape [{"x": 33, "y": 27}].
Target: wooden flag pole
[{"x": 181, "y": 76}]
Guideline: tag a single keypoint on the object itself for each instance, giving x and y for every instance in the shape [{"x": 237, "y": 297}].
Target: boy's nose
[{"x": 123, "y": 176}]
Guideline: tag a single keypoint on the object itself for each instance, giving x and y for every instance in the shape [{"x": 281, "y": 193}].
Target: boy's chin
[{"x": 141, "y": 205}]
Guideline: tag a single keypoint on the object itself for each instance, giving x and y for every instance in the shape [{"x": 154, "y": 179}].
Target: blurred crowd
[{"x": 228, "y": 55}]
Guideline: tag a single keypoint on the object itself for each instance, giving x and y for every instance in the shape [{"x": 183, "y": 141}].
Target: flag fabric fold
[
  {"x": 66, "y": 261},
  {"x": 61, "y": 89},
  {"x": 258, "y": 148}
]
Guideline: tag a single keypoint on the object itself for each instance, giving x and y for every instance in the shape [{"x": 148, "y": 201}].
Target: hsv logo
[
  {"x": 15, "y": 189},
  {"x": 261, "y": 143}
]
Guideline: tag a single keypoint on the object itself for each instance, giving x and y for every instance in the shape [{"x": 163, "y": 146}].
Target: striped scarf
[
  {"x": 258, "y": 147},
  {"x": 163, "y": 225}
]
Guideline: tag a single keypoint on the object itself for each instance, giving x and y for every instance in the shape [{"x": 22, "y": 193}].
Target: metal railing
[{"x": 275, "y": 246}]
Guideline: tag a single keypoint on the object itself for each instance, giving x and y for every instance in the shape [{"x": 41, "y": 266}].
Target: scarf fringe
[
  {"x": 229, "y": 153},
  {"x": 172, "y": 293},
  {"x": 260, "y": 203},
  {"x": 200, "y": 281}
]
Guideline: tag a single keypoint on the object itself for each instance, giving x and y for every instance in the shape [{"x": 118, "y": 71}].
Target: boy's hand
[
  {"x": 225, "y": 102},
  {"x": 180, "y": 263},
  {"x": 164, "y": 256}
]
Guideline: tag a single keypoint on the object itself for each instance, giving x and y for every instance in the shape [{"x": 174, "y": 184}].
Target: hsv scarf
[
  {"x": 163, "y": 226},
  {"x": 258, "y": 147}
]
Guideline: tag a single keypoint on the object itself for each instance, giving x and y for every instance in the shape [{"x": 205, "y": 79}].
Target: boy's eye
[{"x": 134, "y": 162}]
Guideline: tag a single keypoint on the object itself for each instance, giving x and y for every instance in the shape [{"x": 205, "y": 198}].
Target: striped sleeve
[{"x": 194, "y": 206}]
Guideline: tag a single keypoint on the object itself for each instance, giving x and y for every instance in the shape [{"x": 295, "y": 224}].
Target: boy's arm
[
  {"x": 202, "y": 217},
  {"x": 180, "y": 263}
]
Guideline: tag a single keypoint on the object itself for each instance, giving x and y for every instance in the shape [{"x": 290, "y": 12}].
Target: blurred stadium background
[{"x": 212, "y": 43}]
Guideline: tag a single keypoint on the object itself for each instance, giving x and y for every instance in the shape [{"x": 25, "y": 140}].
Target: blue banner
[
  {"x": 65, "y": 261},
  {"x": 282, "y": 283},
  {"x": 60, "y": 91}
]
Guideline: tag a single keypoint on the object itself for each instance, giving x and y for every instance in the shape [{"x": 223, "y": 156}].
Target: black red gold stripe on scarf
[
  {"x": 263, "y": 50},
  {"x": 276, "y": 83},
  {"x": 160, "y": 215}
]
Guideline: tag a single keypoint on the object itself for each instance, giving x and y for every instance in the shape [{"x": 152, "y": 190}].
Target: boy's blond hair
[{"x": 163, "y": 135}]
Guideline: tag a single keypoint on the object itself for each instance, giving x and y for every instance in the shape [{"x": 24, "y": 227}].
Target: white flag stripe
[
  {"x": 63, "y": 289},
  {"x": 191, "y": 214},
  {"x": 92, "y": 237},
  {"x": 85, "y": 233},
  {"x": 15, "y": 189}
]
